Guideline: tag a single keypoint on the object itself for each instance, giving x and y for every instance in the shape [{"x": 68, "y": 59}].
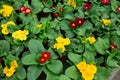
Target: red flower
[
  {"x": 56, "y": 15},
  {"x": 79, "y": 21},
  {"x": 105, "y": 1},
  {"x": 22, "y": 8},
  {"x": 73, "y": 24},
  {"x": 61, "y": 9},
  {"x": 118, "y": 9},
  {"x": 28, "y": 10},
  {"x": 45, "y": 55},
  {"x": 113, "y": 46},
  {"x": 87, "y": 6},
  {"x": 42, "y": 60}
]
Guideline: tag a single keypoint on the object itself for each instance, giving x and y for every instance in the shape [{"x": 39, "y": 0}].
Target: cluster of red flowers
[
  {"x": 76, "y": 23},
  {"x": 25, "y": 10},
  {"x": 44, "y": 57}
]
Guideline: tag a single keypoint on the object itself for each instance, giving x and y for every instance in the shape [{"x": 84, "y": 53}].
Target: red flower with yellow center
[
  {"x": 87, "y": 6},
  {"x": 73, "y": 24},
  {"x": 113, "y": 46}
]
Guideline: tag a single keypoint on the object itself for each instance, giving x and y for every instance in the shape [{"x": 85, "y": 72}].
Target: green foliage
[{"x": 95, "y": 41}]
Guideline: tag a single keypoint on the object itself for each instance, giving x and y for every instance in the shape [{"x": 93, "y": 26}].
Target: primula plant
[{"x": 59, "y": 39}]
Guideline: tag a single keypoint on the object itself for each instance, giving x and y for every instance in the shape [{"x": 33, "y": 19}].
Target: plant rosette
[{"x": 59, "y": 39}]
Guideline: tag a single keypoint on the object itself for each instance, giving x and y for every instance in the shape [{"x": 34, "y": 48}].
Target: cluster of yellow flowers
[
  {"x": 72, "y": 3},
  {"x": 91, "y": 40},
  {"x": 21, "y": 35},
  {"x": 6, "y": 11},
  {"x": 106, "y": 22},
  {"x": 10, "y": 71},
  {"x": 4, "y": 27},
  {"x": 61, "y": 42},
  {"x": 87, "y": 70}
]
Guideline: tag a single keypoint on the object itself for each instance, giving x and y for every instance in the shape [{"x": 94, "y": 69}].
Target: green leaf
[
  {"x": 33, "y": 72},
  {"x": 118, "y": 33},
  {"x": 64, "y": 25},
  {"x": 37, "y": 6},
  {"x": 50, "y": 33},
  {"x": 89, "y": 56},
  {"x": 53, "y": 54},
  {"x": 114, "y": 5},
  {"x": 69, "y": 33},
  {"x": 48, "y": 3},
  {"x": 64, "y": 77},
  {"x": 18, "y": 49},
  {"x": 21, "y": 73},
  {"x": 50, "y": 75},
  {"x": 30, "y": 59},
  {"x": 102, "y": 73},
  {"x": 35, "y": 30},
  {"x": 35, "y": 46},
  {"x": 4, "y": 45},
  {"x": 73, "y": 73},
  {"x": 111, "y": 62},
  {"x": 101, "y": 45},
  {"x": 47, "y": 10},
  {"x": 52, "y": 66},
  {"x": 69, "y": 17},
  {"x": 75, "y": 58}
]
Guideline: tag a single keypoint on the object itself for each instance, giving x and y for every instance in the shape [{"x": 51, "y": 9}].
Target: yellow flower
[
  {"x": 69, "y": 2},
  {"x": 14, "y": 64},
  {"x": 87, "y": 76},
  {"x": 92, "y": 68},
  {"x": 1, "y": 11},
  {"x": 5, "y": 31},
  {"x": 59, "y": 46},
  {"x": 87, "y": 70},
  {"x": 61, "y": 42},
  {"x": 59, "y": 39},
  {"x": 21, "y": 35},
  {"x": 11, "y": 23},
  {"x": 106, "y": 22},
  {"x": 8, "y": 72},
  {"x": 4, "y": 27},
  {"x": 6, "y": 11},
  {"x": 39, "y": 25},
  {"x": 91, "y": 40},
  {"x": 81, "y": 66},
  {"x": 66, "y": 41},
  {"x": 73, "y": 4}
]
